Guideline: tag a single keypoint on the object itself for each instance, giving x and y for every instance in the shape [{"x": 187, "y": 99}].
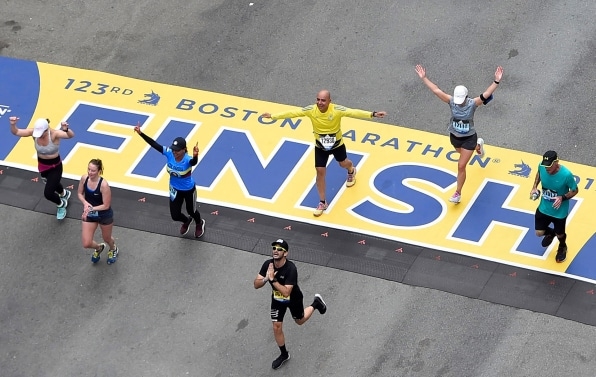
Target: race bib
[
  {"x": 92, "y": 214},
  {"x": 461, "y": 126},
  {"x": 549, "y": 195},
  {"x": 327, "y": 141},
  {"x": 173, "y": 193},
  {"x": 279, "y": 297}
]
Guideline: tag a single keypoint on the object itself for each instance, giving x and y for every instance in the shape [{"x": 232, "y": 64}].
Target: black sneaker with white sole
[
  {"x": 277, "y": 363},
  {"x": 319, "y": 304}
]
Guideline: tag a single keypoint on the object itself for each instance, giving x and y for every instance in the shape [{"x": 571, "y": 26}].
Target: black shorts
[
  {"x": 322, "y": 156},
  {"x": 105, "y": 217},
  {"x": 466, "y": 142},
  {"x": 542, "y": 221},
  {"x": 278, "y": 308}
]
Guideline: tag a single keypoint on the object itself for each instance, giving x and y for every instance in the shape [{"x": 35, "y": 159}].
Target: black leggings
[
  {"x": 52, "y": 178},
  {"x": 190, "y": 197}
]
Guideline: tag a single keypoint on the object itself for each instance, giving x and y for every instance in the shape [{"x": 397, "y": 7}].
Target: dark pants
[
  {"x": 52, "y": 179},
  {"x": 190, "y": 197}
]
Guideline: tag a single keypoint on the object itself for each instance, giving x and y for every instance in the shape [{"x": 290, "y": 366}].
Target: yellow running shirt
[{"x": 326, "y": 126}]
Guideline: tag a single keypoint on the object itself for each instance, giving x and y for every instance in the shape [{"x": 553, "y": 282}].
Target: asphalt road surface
[{"x": 170, "y": 308}]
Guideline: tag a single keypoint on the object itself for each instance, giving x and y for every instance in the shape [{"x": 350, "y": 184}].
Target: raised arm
[
  {"x": 18, "y": 131},
  {"x": 485, "y": 97},
  {"x": 158, "y": 147},
  {"x": 66, "y": 132},
  {"x": 432, "y": 86}
]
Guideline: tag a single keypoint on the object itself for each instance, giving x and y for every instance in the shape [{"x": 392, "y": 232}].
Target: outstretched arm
[
  {"x": 432, "y": 86},
  {"x": 158, "y": 147},
  {"x": 484, "y": 98}
]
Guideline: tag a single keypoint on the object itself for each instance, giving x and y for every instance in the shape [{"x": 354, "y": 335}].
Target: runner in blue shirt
[
  {"x": 558, "y": 186},
  {"x": 182, "y": 185}
]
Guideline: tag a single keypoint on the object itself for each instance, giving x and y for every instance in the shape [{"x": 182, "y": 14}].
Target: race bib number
[
  {"x": 279, "y": 297},
  {"x": 461, "y": 126},
  {"x": 173, "y": 193},
  {"x": 549, "y": 195},
  {"x": 327, "y": 141}
]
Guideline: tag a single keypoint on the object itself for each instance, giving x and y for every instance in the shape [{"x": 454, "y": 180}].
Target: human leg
[
  {"x": 88, "y": 232},
  {"x": 559, "y": 229},
  {"x": 176, "y": 213},
  {"x": 301, "y": 315},
  {"x": 190, "y": 198},
  {"x": 53, "y": 186},
  {"x": 278, "y": 311},
  {"x": 341, "y": 156},
  {"x": 542, "y": 227}
]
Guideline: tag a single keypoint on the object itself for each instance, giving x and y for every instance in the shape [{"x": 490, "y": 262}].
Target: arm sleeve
[
  {"x": 353, "y": 113},
  {"x": 292, "y": 113},
  {"x": 193, "y": 161},
  {"x": 152, "y": 143}
]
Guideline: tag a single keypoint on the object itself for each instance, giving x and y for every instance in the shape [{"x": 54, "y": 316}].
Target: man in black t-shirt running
[{"x": 283, "y": 277}]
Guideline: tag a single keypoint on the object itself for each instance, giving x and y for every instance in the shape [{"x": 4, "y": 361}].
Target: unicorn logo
[
  {"x": 521, "y": 170},
  {"x": 151, "y": 99}
]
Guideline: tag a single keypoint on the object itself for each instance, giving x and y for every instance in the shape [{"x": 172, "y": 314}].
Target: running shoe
[
  {"x": 320, "y": 209},
  {"x": 456, "y": 198},
  {"x": 480, "y": 150},
  {"x": 185, "y": 226},
  {"x": 61, "y": 211},
  {"x": 200, "y": 230},
  {"x": 113, "y": 255},
  {"x": 547, "y": 240},
  {"x": 351, "y": 181},
  {"x": 561, "y": 254},
  {"x": 319, "y": 304},
  {"x": 95, "y": 257},
  {"x": 65, "y": 197},
  {"x": 277, "y": 363}
]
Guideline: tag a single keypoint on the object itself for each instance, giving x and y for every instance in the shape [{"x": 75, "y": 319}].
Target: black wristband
[
  {"x": 496, "y": 82},
  {"x": 564, "y": 197},
  {"x": 374, "y": 114},
  {"x": 66, "y": 130}
]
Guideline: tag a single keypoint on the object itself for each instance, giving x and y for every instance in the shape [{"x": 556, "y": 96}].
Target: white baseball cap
[
  {"x": 459, "y": 94},
  {"x": 39, "y": 127}
]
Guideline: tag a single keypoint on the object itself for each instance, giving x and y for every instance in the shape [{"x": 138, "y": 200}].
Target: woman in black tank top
[{"x": 96, "y": 196}]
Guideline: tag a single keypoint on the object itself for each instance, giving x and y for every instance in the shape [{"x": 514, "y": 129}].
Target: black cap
[
  {"x": 548, "y": 158},
  {"x": 281, "y": 243},
  {"x": 178, "y": 144}
]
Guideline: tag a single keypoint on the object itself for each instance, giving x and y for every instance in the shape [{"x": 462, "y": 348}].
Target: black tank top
[{"x": 95, "y": 198}]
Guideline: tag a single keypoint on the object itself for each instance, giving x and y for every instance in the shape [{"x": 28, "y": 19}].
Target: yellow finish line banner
[{"x": 405, "y": 176}]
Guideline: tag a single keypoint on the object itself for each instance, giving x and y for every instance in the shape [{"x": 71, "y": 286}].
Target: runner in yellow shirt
[{"x": 326, "y": 122}]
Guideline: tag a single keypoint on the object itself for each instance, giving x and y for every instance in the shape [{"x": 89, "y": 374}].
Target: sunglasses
[{"x": 279, "y": 248}]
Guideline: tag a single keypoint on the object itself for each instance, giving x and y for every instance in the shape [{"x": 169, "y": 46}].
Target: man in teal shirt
[{"x": 558, "y": 186}]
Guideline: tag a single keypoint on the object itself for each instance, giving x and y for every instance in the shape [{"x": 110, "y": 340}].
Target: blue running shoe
[
  {"x": 113, "y": 255},
  {"x": 95, "y": 257},
  {"x": 61, "y": 212}
]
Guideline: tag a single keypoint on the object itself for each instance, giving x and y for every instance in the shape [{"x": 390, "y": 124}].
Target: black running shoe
[
  {"x": 561, "y": 254},
  {"x": 277, "y": 363},
  {"x": 319, "y": 304},
  {"x": 547, "y": 240}
]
